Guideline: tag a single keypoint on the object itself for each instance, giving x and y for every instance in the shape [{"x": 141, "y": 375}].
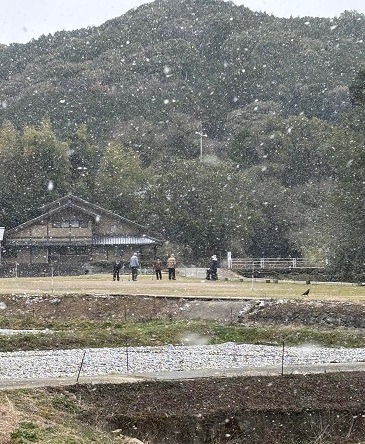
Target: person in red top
[{"x": 157, "y": 267}]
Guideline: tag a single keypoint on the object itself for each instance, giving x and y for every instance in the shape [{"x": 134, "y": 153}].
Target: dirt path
[{"x": 233, "y": 288}]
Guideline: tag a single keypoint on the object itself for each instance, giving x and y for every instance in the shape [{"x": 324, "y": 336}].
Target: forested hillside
[{"x": 217, "y": 127}]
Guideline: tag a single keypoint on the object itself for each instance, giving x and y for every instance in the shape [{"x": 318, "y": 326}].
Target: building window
[
  {"x": 70, "y": 224},
  {"x": 74, "y": 251}
]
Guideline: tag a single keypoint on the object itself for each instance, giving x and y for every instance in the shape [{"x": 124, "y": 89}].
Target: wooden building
[{"x": 75, "y": 232}]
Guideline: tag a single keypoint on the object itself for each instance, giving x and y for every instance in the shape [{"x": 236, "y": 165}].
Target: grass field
[{"x": 182, "y": 287}]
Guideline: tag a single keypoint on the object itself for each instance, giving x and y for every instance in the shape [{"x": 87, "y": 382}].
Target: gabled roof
[
  {"x": 71, "y": 200},
  {"x": 81, "y": 205}
]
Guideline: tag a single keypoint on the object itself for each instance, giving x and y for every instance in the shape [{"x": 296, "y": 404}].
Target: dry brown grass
[
  {"x": 182, "y": 287},
  {"x": 9, "y": 419}
]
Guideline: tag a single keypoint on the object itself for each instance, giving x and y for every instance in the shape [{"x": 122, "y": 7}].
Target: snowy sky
[{"x": 22, "y": 20}]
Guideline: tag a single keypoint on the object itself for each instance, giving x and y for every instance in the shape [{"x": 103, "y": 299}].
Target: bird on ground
[{"x": 306, "y": 293}]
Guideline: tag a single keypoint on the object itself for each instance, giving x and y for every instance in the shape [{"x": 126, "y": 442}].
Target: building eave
[{"x": 96, "y": 240}]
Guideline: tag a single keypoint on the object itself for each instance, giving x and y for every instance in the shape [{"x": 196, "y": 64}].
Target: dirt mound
[
  {"x": 290, "y": 312},
  {"x": 252, "y": 311}
]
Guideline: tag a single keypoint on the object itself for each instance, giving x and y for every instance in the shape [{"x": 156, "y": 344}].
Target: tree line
[
  {"x": 286, "y": 195},
  {"x": 118, "y": 114}
]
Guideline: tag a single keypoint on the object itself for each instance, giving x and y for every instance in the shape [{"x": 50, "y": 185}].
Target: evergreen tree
[
  {"x": 46, "y": 164},
  {"x": 349, "y": 159},
  {"x": 84, "y": 158},
  {"x": 195, "y": 207},
  {"x": 121, "y": 184},
  {"x": 35, "y": 169},
  {"x": 12, "y": 180}
]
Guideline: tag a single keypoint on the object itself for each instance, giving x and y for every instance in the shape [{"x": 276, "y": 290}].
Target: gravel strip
[
  {"x": 137, "y": 360},
  {"x": 10, "y": 331}
]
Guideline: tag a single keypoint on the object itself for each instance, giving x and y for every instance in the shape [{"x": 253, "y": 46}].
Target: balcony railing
[{"x": 268, "y": 263}]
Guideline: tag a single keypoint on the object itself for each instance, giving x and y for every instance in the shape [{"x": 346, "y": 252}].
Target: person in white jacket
[{"x": 133, "y": 265}]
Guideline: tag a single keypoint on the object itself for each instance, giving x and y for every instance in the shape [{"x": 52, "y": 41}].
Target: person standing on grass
[
  {"x": 171, "y": 266},
  {"x": 157, "y": 267},
  {"x": 212, "y": 272},
  {"x": 116, "y": 269},
  {"x": 133, "y": 265}
]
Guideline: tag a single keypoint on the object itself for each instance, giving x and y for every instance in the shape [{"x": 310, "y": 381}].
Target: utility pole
[
  {"x": 200, "y": 133},
  {"x": 253, "y": 274}
]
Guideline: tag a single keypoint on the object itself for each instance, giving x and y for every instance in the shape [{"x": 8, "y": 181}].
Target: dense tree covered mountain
[{"x": 220, "y": 128}]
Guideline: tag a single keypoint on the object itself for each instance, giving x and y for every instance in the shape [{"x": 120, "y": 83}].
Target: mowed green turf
[{"x": 182, "y": 287}]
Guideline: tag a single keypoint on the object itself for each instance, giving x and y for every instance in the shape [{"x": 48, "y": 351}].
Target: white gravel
[{"x": 139, "y": 360}]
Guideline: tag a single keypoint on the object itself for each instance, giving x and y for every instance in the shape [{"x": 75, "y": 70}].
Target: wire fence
[{"x": 169, "y": 359}]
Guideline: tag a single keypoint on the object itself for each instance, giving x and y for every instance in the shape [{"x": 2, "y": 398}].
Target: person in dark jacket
[
  {"x": 116, "y": 270},
  {"x": 157, "y": 268},
  {"x": 212, "y": 272}
]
